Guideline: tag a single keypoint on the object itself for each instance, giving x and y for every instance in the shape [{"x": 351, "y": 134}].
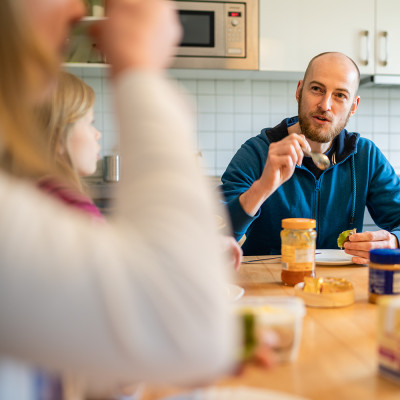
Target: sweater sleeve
[
  {"x": 383, "y": 199},
  {"x": 140, "y": 298},
  {"x": 245, "y": 168}
]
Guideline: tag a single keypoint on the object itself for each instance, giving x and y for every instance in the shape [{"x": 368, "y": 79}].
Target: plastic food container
[{"x": 276, "y": 321}]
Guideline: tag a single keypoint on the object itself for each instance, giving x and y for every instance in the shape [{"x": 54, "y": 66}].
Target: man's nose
[{"x": 326, "y": 102}]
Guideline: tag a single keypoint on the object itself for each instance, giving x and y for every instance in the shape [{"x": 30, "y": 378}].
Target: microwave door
[{"x": 203, "y": 31}]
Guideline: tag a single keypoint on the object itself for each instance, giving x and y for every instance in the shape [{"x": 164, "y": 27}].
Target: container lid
[
  {"x": 385, "y": 256},
  {"x": 298, "y": 223}
]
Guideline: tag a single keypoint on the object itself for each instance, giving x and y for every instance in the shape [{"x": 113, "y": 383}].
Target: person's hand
[
  {"x": 360, "y": 244},
  {"x": 283, "y": 156},
  {"x": 235, "y": 252},
  {"x": 139, "y": 34}
]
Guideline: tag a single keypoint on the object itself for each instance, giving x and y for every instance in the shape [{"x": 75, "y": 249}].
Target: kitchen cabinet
[
  {"x": 387, "y": 37},
  {"x": 292, "y": 32}
]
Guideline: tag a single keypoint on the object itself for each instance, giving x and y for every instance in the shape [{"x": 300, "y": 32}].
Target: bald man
[{"x": 270, "y": 178}]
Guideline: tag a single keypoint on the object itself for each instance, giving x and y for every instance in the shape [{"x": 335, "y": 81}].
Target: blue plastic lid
[{"x": 385, "y": 256}]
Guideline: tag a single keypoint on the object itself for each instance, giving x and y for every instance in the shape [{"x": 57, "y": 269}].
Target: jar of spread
[
  {"x": 389, "y": 337},
  {"x": 384, "y": 273},
  {"x": 298, "y": 249}
]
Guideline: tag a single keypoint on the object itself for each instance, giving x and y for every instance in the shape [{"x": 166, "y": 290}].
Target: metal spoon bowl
[{"x": 319, "y": 159}]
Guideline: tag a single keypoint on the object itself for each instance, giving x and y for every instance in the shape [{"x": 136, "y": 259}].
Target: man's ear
[{"x": 298, "y": 90}]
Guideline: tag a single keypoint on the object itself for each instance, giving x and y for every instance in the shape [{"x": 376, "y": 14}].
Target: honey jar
[{"x": 298, "y": 238}]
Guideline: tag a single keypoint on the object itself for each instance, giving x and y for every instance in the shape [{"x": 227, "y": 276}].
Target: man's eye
[{"x": 316, "y": 88}]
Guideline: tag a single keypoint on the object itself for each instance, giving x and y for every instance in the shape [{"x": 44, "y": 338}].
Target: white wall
[{"x": 230, "y": 111}]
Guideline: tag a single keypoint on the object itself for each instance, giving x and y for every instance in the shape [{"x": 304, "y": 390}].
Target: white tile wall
[{"x": 231, "y": 111}]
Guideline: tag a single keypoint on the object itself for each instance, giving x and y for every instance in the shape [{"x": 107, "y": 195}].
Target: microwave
[{"x": 218, "y": 34}]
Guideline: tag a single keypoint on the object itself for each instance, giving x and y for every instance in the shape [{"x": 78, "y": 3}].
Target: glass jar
[
  {"x": 384, "y": 273},
  {"x": 298, "y": 239}
]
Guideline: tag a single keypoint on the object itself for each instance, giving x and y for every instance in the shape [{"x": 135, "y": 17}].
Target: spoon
[{"x": 319, "y": 159}]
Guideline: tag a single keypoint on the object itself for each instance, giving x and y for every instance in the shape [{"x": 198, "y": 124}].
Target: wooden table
[{"x": 337, "y": 358}]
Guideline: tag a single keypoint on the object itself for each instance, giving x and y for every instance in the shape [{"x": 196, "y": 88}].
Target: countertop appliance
[{"x": 218, "y": 34}]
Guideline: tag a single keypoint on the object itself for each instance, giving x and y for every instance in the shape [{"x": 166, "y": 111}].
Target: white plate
[
  {"x": 332, "y": 257},
  {"x": 234, "y": 393},
  {"x": 234, "y": 292}
]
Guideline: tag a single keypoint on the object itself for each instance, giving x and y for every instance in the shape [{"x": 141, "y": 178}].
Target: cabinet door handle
[
  {"x": 385, "y": 37},
  {"x": 365, "y": 34}
]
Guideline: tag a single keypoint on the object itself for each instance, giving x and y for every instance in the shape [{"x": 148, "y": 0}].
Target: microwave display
[{"x": 198, "y": 28}]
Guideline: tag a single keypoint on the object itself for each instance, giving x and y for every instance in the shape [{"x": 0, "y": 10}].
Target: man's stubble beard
[{"x": 314, "y": 134}]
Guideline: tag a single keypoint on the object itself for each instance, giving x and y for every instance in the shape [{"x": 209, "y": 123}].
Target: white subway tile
[
  {"x": 351, "y": 125},
  {"x": 279, "y": 88},
  {"x": 206, "y": 140},
  {"x": 381, "y": 93},
  {"x": 242, "y": 88},
  {"x": 242, "y": 104},
  {"x": 380, "y": 124},
  {"x": 381, "y": 106},
  {"x": 394, "y": 107},
  {"x": 394, "y": 142},
  {"x": 110, "y": 142},
  {"x": 208, "y": 157},
  {"x": 224, "y": 87},
  {"x": 364, "y": 124},
  {"x": 242, "y": 122},
  {"x": 223, "y": 158},
  {"x": 206, "y": 122},
  {"x": 206, "y": 87},
  {"x": 260, "y": 104},
  {"x": 225, "y": 123},
  {"x": 279, "y": 104},
  {"x": 394, "y": 159},
  {"x": 260, "y": 121},
  {"x": 394, "y": 93},
  {"x": 206, "y": 103},
  {"x": 260, "y": 88},
  {"x": 394, "y": 124},
  {"x": 225, "y": 141},
  {"x": 381, "y": 139},
  {"x": 365, "y": 107},
  {"x": 109, "y": 123},
  {"x": 224, "y": 104}
]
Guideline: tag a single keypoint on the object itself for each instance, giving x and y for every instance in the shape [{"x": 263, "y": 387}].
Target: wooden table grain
[{"x": 337, "y": 358}]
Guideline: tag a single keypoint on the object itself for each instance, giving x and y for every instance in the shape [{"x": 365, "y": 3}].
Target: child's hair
[{"x": 71, "y": 100}]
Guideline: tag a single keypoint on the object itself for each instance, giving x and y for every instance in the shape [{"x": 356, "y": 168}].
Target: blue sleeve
[
  {"x": 245, "y": 167},
  {"x": 383, "y": 199}
]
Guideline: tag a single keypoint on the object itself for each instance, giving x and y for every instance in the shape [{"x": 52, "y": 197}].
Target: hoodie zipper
[{"x": 317, "y": 199}]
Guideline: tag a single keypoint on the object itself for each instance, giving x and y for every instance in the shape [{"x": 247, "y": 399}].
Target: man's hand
[
  {"x": 283, "y": 156},
  {"x": 360, "y": 244}
]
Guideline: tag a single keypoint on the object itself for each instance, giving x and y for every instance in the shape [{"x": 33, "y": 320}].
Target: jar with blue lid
[{"x": 384, "y": 273}]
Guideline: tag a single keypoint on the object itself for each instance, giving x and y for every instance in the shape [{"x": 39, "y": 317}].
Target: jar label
[
  {"x": 384, "y": 281},
  {"x": 297, "y": 259}
]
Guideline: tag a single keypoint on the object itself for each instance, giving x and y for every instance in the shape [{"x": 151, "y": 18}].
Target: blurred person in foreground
[
  {"x": 139, "y": 298},
  {"x": 270, "y": 179}
]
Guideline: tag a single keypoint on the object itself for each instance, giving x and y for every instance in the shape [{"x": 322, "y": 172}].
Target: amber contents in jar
[{"x": 298, "y": 249}]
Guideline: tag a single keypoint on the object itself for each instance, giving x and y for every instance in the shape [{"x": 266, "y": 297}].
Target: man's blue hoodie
[{"x": 360, "y": 177}]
